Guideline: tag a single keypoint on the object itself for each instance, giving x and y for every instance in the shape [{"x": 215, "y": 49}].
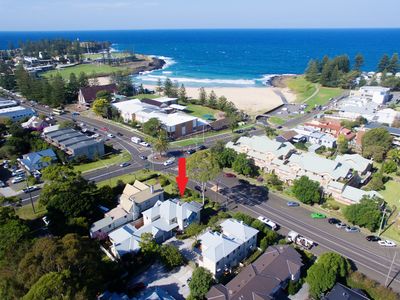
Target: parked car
[
  {"x": 110, "y": 135},
  {"x": 201, "y": 147},
  {"x": 341, "y": 225},
  {"x": 333, "y": 221},
  {"x": 18, "y": 172},
  {"x": 36, "y": 174},
  {"x": 125, "y": 164},
  {"x": 136, "y": 140},
  {"x": 143, "y": 157},
  {"x": 292, "y": 204},
  {"x": 318, "y": 216},
  {"x": 169, "y": 162},
  {"x": 268, "y": 222},
  {"x": 372, "y": 238},
  {"x": 352, "y": 229},
  {"x": 30, "y": 189},
  {"x": 198, "y": 188},
  {"x": 104, "y": 128},
  {"x": 96, "y": 135},
  {"x": 144, "y": 144},
  {"x": 119, "y": 134},
  {"x": 190, "y": 151},
  {"x": 17, "y": 179},
  {"x": 230, "y": 175},
  {"x": 387, "y": 243}
]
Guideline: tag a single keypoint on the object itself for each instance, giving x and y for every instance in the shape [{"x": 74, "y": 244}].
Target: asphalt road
[{"x": 368, "y": 257}]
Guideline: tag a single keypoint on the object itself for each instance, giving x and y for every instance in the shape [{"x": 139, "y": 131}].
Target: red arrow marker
[{"x": 181, "y": 179}]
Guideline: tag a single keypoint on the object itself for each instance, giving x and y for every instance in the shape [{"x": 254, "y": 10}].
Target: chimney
[{"x": 152, "y": 189}]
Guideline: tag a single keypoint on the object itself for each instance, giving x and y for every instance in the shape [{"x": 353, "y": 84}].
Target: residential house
[
  {"x": 133, "y": 201},
  {"x": 161, "y": 221},
  {"x": 316, "y": 137},
  {"x": 154, "y": 293},
  {"x": 286, "y": 136},
  {"x": 36, "y": 161},
  {"x": 88, "y": 94},
  {"x": 333, "y": 128},
  {"x": 35, "y": 123},
  {"x": 342, "y": 292},
  {"x": 220, "y": 251},
  {"x": 263, "y": 279},
  {"x": 262, "y": 150},
  {"x": 75, "y": 143},
  {"x": 347, "y": 194}
]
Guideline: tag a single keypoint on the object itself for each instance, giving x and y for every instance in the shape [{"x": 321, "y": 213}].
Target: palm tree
[{"x": 160, "y": 143}]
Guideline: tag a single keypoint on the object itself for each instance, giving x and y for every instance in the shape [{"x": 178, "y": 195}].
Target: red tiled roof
[{"x": 89, "y": 93}]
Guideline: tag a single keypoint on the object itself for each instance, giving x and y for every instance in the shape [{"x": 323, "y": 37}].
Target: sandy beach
[{"x": 253, "y": 100}]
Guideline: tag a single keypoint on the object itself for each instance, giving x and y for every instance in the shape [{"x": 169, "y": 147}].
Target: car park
[
  {"x": 143, "y": 157},
  {"x": 292, "y": 204},
  {"x": 387, "y": 243},
  {"x": 333, "y": 221},
  {"x": 144, "y": 144},
  {"x": 125, "y": 164},
  {"x": 372, "y": 238},
  {"x": 352, "y": 229},
  {"x": 268, "y": 222},
  {"x": 341, "y": 225},
  {"x": 17, "y": 179},
  {"x": 318, "y": 216}
]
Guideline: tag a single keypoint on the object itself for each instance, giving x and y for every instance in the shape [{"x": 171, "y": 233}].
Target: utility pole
[
  {"x": 383, "y": 218},
  {"x": 390, "y": 269}
]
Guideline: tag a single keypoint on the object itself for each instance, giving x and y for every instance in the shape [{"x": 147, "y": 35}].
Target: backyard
[{"x": 199, "y": 110}]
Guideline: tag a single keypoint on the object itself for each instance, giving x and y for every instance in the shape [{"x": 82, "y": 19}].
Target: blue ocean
[{"x": 233, "y": 57}]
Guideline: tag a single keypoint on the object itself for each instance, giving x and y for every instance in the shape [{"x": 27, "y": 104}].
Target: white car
[
  {"x": 17, "y": 172},
  {"x": 110, "y": 135},
  {"x": 387, "y": 243},
  {"x": 144, "y": 144},
  {"x": 268, "y": 222},
  {"x": 169, "y": 162},
  {"x": 96, "y": 135},
  {"x": 136, "y": 140},
  {"x": 17, "y": 179}
]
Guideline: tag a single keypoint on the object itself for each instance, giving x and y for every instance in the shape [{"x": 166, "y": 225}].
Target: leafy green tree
[
  {"x": 394, "y": 154},
  {"x": 148, "y": 244},
  {"x": 312, "y": 71},
  {"x": 194, "y": 230},
  {"x": 342, "y": 144},
  {"x": 273, "y": 180},
  {"x": 100, "y": 107},
  {"x": 377, "y": 182},
  {"x": 53, "y": 285},
  {"x": 376, "y": 143},
  {"x": 152, "y": 127},
  {"x": 182, "y": 96},
  {"x": 202, "y": 167},
  {"x": 384, "y": 63},
  {"x": 367, "y": 213},
  {"x": 322, "y": 276},
  {"x": 222, "y": 103},
  {"x": 202, "y": 96},
  {"x": 270, "y": 132},
  {"x": 389, "y": 166},
  {"x": 306, "y": 190},
  {"x": 83, "y": 80},
  {"x": 212, "y": 100},
  {"x": 72, "y": 88},
  {"x": 226, "y": 157},
  {"x": 58, "y": 95},
  {"x": 243, "y": 165},
  {"x": 358, "y": 62},
  {"x": 103, "y": 94},
  {"x": 201, "y": 282},
  {"x": 171, "y": 256}
]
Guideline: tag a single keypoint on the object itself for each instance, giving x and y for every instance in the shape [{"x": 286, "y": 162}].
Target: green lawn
[
  {"x": 391, "y": 194},
  {"x": 89, "y": 69},
  {"x": 25, "y": 212},
  {"x": 276, "y": 120},
  {"x": 301, "y": 87},
  {"x": 105, "y": 162},
  {"x": 323, "y": 96},
  {"x": 199, "y": 111}
]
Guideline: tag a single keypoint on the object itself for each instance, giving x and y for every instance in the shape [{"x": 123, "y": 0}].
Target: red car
[
  {"x": 104, "y": 128},
  {"x": 230, "y": 175}
]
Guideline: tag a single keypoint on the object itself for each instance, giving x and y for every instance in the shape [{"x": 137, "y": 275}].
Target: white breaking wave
[{"x": 207, "y": 81}]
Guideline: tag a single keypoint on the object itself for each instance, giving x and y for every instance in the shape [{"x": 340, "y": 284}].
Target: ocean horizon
[{"x": 232, "y": 57}]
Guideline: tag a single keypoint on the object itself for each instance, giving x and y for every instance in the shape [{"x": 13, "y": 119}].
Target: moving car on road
[
  {"x": 292, "y": 204},
  {"x": 372, "y": 238},
  {"x": 125, "y": 164},
  {"x": 144, "y": 144},
  {"x": 190, "y": 151},
  {"x": 268, "y": 222},
  {"x": 110, "y": 135},
  {"x": 136, "y": 140},
  {"x": 387, "y": 243},
  {"x": 169, "y": 162},
  {"x": 143, "y": 157},
  {"x": 318, "y": 216}
]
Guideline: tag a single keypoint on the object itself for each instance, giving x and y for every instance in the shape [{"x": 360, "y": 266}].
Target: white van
[
  {"x": 268, "y": 222},
  {"x": 136, "y": 140},
  {"x": 18, "y": 172}
]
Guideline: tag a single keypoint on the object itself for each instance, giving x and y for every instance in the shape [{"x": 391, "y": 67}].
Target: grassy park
[
  {"x": 110, "y": 160},
  {"x": 100, "y": 55},
  {"x": 276, "y": 120},
  {"x": 89, "y": 69},
  {"x": 199, "y": 111}
]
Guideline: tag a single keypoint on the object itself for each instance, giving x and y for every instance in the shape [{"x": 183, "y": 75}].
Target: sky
[{"x": 184, "y": 14}]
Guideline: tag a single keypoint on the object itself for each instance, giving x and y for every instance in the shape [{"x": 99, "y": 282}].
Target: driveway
[{"x": 175, "y": 281}]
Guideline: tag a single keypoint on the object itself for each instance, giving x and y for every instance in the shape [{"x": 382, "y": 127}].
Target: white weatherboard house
[
  {"x": 222, "y": 251},
  {"x": 262, "y": 149},
  {"x": 134, "y": 200},
  {"x": 161, "y": 221}
]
